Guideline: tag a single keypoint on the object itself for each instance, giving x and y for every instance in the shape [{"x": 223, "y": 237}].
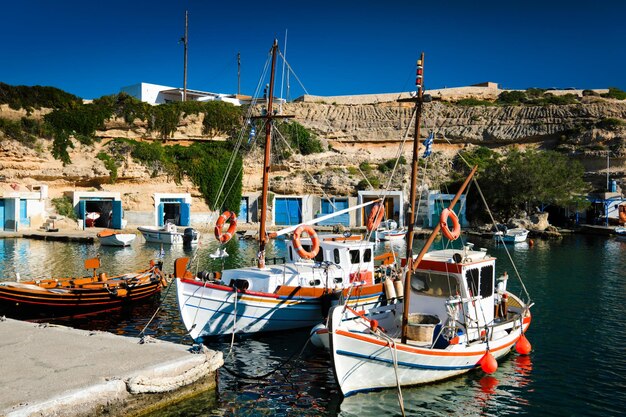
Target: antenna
[{"x": 238, "y": 73}]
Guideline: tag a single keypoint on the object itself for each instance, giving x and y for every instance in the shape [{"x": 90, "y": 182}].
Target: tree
[{"x": 523, "y": 180}]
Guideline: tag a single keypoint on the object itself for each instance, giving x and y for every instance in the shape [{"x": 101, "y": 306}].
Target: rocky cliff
[{"x": 353, "y": 134}]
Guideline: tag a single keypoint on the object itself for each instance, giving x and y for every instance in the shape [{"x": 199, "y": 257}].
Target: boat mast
[
  {"x": 414, "y": 169},
  {"x": 266, "y": 161},
  {"x": 185, "y": 41}
]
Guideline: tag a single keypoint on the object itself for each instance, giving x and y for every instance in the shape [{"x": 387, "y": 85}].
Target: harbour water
[{"x": 578, "y": 333}]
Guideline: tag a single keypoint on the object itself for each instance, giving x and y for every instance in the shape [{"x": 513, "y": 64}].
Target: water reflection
[{"x": 579, "y": 326}]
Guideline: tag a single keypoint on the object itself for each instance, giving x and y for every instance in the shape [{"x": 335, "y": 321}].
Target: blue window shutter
[
  {"x": 82, "y": 208},
  {"x": 116, "y": 221},
  {"x": 185, "y": 214}
]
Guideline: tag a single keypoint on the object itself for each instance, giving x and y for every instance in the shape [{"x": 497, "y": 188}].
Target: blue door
[
  {"x": 327, "y": 208},
  {"x": 243, "y": 210},
  {"x": 24, "y": 220},
  {"x": 185, "y": 214},
  {"x": 288, "y": 211},
  {"x": 2, "y": 214},
  {"x": 118, "y": 213}
]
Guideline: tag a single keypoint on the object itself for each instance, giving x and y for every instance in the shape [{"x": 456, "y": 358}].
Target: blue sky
[{"x": 93, "y": 48}]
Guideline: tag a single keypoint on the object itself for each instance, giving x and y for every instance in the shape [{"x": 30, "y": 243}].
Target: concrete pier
[{"x": 55, "y": 370}]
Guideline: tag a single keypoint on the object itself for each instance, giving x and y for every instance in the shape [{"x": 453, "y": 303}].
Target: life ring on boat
[
  {"x": 375, "y": 217},
  {"x": 219, "y": 234},
  {"x": 315, "y": 243},
  {"x": 443, "y": 222}
]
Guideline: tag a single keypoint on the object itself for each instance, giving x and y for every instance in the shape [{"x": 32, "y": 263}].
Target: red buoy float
[
  {"x": 523, "y": 346},
  {"x": 488, "y": 363},
  {"x": 531, "y": 243}
]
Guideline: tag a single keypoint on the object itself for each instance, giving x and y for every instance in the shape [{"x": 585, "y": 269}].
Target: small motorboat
[
  {"x": 169, "y": 234},
  {"x": 109, "y": 237},
  {"x": 517, "y": 235},
  {"x": 389, "y": 230},
  {"x": 620, "y": 233},
  {"x": 90, "y": 218},
  {"x": 50, "y": 297}
]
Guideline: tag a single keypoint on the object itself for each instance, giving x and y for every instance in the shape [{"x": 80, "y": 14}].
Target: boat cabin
[
  {"x": 458, "y": 287},
  {"x": 341, "y": 260}
]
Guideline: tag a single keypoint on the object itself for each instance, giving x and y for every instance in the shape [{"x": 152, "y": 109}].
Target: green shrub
[
  {"x": 64, "y": 206},
  {"x": 109, "y": 163},
  {"x": 474, "y": 102},
  {"x": 36, "y": 97},
  {"x": 587, "y": 93},
  {"x": 511, "y": 97},
  {"x": 365, "y": 166},
  {"x": 616, "y": 93},
  {"x": 610, "y": 123},
  {"x": 300, "y": 138},
  {"x": 353, "y": 171}
]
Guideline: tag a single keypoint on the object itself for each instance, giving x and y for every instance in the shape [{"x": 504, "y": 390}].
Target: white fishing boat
[
  {"x": 516, "y": 235},
  {"x": 111, "y": 238},
  {"x": 451, "y": 318},
  {"x": 295, "y": 294},
  {"x": 389, "y": 230},
  {"x": 169, "y": 235}
]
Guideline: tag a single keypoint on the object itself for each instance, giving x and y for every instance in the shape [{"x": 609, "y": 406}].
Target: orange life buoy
[
  {"x": 443, "y": 222},
  {"x": 376, "y": 216},
  {"x": 315, "y": 243},
  {"x": 221, "y": 236}
]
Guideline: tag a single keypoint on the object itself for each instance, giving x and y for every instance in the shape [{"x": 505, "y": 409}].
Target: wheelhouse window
[
  {"x": 290, "y": 254},
  {"x": 367, "y": 255},
  {"x": 472, "y": 277},
  {"x": 336, "y": 256},
  {"x": 355, "y": 256},
  {"x": 320, "y": 254},
  {"x": 435, "y": 284},
  {"x": 486, "y": 281}
]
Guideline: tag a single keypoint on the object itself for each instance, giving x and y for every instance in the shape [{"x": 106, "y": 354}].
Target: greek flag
[
  {"x": 428, "y": 143},
  {"x": 252, "y": 134}
]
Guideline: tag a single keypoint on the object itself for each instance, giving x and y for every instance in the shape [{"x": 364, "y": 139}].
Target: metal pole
[{"x": 238, "y": 73}]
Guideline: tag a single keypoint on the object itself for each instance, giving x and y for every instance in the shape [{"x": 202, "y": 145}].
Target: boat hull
[
  {"x": 118, "y": 239},
  {"x": 29, "y": 302},
  {"x": 209, "y": 309},
  {"x": 363, "y": 361}
]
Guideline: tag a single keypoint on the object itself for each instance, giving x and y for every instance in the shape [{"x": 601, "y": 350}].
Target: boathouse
[
  {"x": 437, "y": 201},
  {"x": 290, "y": 210},
  {"x": 394, "y": 205},
  {"x": 98, "y": 209},
  {"x": 174, "y": 208},
  {"x": 329, "y": 205},
  {"x": 22, "y": 207},
  {"x": 249, "y": 208}
]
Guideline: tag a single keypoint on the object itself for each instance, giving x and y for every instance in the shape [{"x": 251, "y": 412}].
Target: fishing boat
[
  {"x": 319, "y": 271},
  {"x": 169, "y": 234},
  {"x": 79, "y": 295},
  {"x": 389, "y": 230},
  {"x": 516, "y": 235},
  {"x": 453, "y": 316},
  {"x": 90, "y": 218},
  {"x": 109, "y": 237}
]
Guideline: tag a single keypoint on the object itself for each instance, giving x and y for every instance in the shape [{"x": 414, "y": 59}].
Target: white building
[
  {"x": 159, "y": 94},
  {"x": 22, "y": 207}
]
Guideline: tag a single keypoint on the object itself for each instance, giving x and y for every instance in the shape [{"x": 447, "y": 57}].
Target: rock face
[{"x": 354, "y": 134}]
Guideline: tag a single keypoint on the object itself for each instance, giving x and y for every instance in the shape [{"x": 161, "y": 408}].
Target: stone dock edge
[{"x": 124, "y": 391}]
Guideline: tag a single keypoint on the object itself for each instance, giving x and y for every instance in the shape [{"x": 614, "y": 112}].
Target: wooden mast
[
  {"x": 414, "y": 169},
  {"x": 266, "y": 161}
]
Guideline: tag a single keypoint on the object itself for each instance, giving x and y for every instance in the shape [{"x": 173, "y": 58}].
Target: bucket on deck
[{"x": 421, "y": 327}]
